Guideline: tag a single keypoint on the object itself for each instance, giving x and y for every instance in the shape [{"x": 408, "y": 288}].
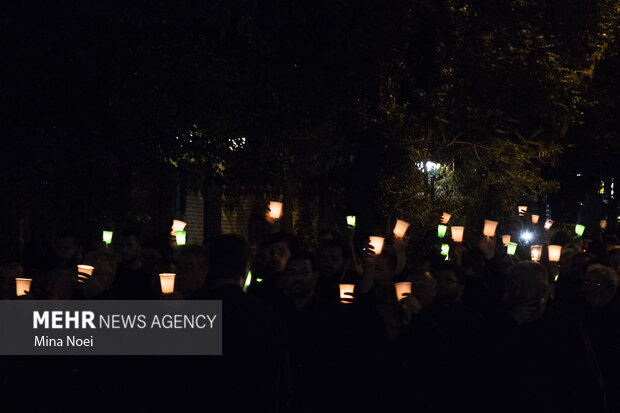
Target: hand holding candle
[
  {"x": 445, "y": 217},
  {"x": 346, "y": 293},
  {"x": 400, "y": 228},
  {"x": 167, "y": 282},
  {"x": 536, "y": 252},
  {"x": 522, "y": 210},
  {"x": 506, "y": 239},
  {"x": 22, "y": 286},
  {"x": 377, "y": 244},
  {"x": 403, "y": 289}
]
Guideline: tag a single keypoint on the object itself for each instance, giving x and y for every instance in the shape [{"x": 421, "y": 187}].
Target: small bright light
[
  {"x": 248, "y": 281},
  {"x": 351, "y": 220},
  {"x": 526, "y": 236}
]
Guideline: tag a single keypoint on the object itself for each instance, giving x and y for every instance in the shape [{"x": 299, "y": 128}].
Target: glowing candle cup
[
  {"x": 536, "y": 252},
  {"x": 603, "y": 223},
  {"x": 548, "y": 224},
  {"x": 555, "y": 251},
  {"x": 400, "y": 228},
  {"x": 489, "y": 228},
  {"x": 535, "y": 218},
  {"x": 445, "y": 217},
  {"x": 107, "y": 237},
  {"x": 441, "y": 231},
  {"x": 512, "y": 248},
  {"x": 457, "y": 233},
  {"x": 181, "y": 237},
  {"x": 522, "y": 210},
  {"x": 579, "y": 229},
  {"x": 403, "y": 289},
  {"x": 275, "y": 209},
  {"x": 22, "y": 286},
  {"x": 346, "y": 293},
  {"x": 167, "y": 282},
  {"x": 351, "y": 220},
  {"x": 506, "y": 240},
  {"x": 377, "y": 244},
  {"x": 177, "y": 226},
  {"x": 85, "y": 269},
  {"x": 445, "y": 250}
]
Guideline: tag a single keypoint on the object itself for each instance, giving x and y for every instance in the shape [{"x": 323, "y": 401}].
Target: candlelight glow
[
  {"x": 445, "y": 250},
  {"x": 403, "y": 289},
  {"x": 22, "y": 286},
  {"x": 400, "y": 228},
  {"x": 85, "y": 269},
  {"x": 457, "y": 233},
  {"x": 248, "y": 281},
  {"x": 377, "y": 244},
  {"x": 535, "y": 218},
  {"x": 346, "y": 293},
  {"x": 275, "y": 209},
  {"x": 522, "y": 210},
  {"x": 181, "y": 237},
  {"x": 351, "y": 220},
  {"x": 489, "y": 228},
  {"x": 506, "y": 240},
  {"x": 445, "y": 218},
  {"x": 512, "y": 248},
  {"x": 536, "y": 252},
  {"x": 107, "y": 237},
  {"x": 441, "y": 230},
  {"x": 555, "y": 251},
  {"x": 177, "y": 226},
  {"x": 167, "y": 282},
  {"x": 548, "y": 224},
  {"x": 579, "y": 229},
  {"x": 603, "y": 223}
]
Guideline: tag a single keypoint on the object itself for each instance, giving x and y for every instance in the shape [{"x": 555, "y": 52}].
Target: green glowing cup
[
  {"x": 445, "y": 249},
  {"x": 181, "y": 237},
  {"x": 579, "y": 229},
  {"x": 441, "y": 231},
  {"x": 512, "y": 248},
  {"x": 351, "y": 220},
  {"x": 107, "y": 237}
]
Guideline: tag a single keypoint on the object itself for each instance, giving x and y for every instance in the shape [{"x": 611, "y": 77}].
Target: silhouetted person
[{"x": 132, "y": 281}]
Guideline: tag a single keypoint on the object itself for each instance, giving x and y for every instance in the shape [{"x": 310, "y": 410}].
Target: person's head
[
  {"x": 191, "y": 269},
  {"x": 300, "y": 276},
  {"x": 449, "y": 283},
  {"x": 68, "y": 248},
  {"x": 281, "y": 247},
  {"x": 528, "y": 284},
  {"x": 129, "y": 245},
  {"x": 262, "y": 260},
  {"x": 601, "y": 285},
  {"x": 385, "y": 266},
  {"x": 153, "y": 249},
  {"x": 229, "y": 257},
  {"x": 336, "y": 258}
]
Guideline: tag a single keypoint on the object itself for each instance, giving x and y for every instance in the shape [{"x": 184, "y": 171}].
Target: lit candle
[
  {"x": 403, "y": 289},
  {"x": 177, "y": 226},
  {"x": 522, "y": 210},
  {"x": 107, "y": 237},
  {"x": 512, "y": 248},
  {"x": 275, "y": 209},
  {"x": 489, "y": 228},
  {"x": 85, "y": 269},
  {"x": 351, "y": 220},
  {"x": 400, "y": 228},
  {"x": 181, "y": 237},
  {"x": 548, "y": 224},
  {"x": 536, "y": 252},
  {"x": 445, "y": 249},
  {"x": 603, "y": 223},
  {"x": 346, "y": 293},
  {"x": 506, "y": 239},
  {"x": 445, "y": 217},
  {"x": 579, "y": 229},
  {"x": 555, "y": 251},
  {"x": 535, "y": 218},
  {"x": 441, "y": 230},
  {"x": 167, "y": 282},
  {"x": 22, "y": 286},
  {"x": 457, "y": 233},
  {"x": 377, "y": 244}
]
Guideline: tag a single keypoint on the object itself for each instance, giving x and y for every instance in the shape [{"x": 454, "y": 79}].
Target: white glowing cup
[
  {"x": 505, "y": 240},
  {"x": 445, "y": 217},
  {"x": 535, "y": 218},
  {"x": 400, "y": 228},
  {"x": 457, "y": 233},
  {"x": 555, "y": 251},
  {"x": 489, "y": 228},
  {"x": 603, "y": 223},
  {"x": 548, "y": 224},
  {"x": 536, "y": 252},
  {"x": 85, "y": 269},
  {"x": 377, "y": 244},
  {"x": 346, "y": 293},
  {"x": 403, "y": 289},
  {"x": 177, "y": 226},
  {"x": 167, "y": 282},
  {"x": 522, "y": 210},
  {"x": 22, "y": 286},
  {"x": 275, "y": 209}
]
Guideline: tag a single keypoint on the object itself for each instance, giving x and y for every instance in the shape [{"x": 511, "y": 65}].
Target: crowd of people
[{"x": 481, "y": 331}]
